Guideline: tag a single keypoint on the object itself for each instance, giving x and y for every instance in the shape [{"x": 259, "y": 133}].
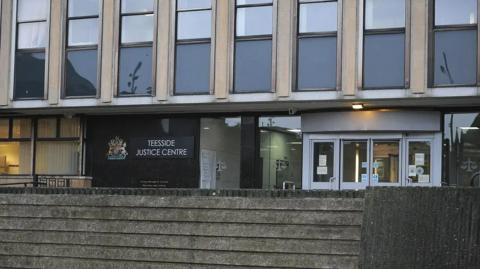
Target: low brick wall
[
  {"x": 421, "y": 228},
  {"x": 135, "y": 228}
]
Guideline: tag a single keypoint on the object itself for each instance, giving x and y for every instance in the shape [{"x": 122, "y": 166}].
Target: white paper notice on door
[
  {"x": 423, "y": 178},
  {"x": 412, "y": 171},
  {"x": 419, "y": 158},
  {"x": 322, "y": 160},
  {"x": 322, "y": 170}
]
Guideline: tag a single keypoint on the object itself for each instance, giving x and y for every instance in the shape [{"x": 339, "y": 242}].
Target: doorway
[{"x": 353, "y": 161}]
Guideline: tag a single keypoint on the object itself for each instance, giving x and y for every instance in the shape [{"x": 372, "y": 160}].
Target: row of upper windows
[{"x": 384, "y": 46}]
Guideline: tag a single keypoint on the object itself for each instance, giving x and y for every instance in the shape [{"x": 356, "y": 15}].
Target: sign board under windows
[{"x": 163, "y": 148}]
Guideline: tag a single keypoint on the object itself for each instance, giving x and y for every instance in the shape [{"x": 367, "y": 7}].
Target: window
[
  {"x": 136, "y": 47},
  {"x": 57, "y": 146},
  {"x": 82, "y": 48},
  {"x": 317, "y": 56},
  {"x": 193, "y": 49},
  {"x": 32, "y": 37},
  {"x": 253, "y": 46},
  {"x": 455, "y": 43},
  {"x": 15, "y": 146},
  {"x": 384, "y": 47}
]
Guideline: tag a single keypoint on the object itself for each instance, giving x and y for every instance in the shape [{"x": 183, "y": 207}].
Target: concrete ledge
[{"x": 189, "y": 192}]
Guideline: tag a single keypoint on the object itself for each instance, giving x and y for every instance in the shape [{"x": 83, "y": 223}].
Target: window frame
[
  {"x": 45, "y": 50},
  {"x": 119, "y": 46},
  {"x": 67, "y": 49},
  {"x": 233, "y": 39},
  {"x": 12, "y": 139},
  {"x": 361, "y": 50},
  {"x": 432, "y": 29},
  {"x": 58, "y": 138},
  {"x": 297, "y": 36},
  {"x": 175, "y": 41}
]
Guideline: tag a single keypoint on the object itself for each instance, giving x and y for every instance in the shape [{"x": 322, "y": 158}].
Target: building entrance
[{"x": 353, "y": 161}]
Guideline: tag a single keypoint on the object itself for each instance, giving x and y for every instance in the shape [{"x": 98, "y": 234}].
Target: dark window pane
[
  {"x": 134, "y": 6},
  {"x": 254, "y": 21},
  {"x": 318, "y": 17},
  {"x": 450, "y": 12},
  {"x": 188, "y": 4},
  {"x": 252, "y": 2},
  {"x": 29, "y": 75},
  {"x": 192, "y": 72},
  {"x": 317, "y": 62},
  {"x": 135, "y": 71},
  {"x": 455, "y": 57},
  {"x": 81, "y": 73},
  {"x": 384, "y": 61},
  {"x": 384, "y": 14},
  {"x": 83, "y": 8},
  {"x": 253, "y": 65}
]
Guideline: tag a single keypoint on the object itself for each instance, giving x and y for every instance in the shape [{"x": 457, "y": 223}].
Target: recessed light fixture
[
  {"x": 469, "y": 128},
  {"x": 295, "y": 130},
  {"x": 357, "y": 106},
  {"x": 206, "y": 128}
]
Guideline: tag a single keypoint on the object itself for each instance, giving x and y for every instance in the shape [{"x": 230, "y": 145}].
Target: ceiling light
[
  {"x": 206, "y": 128},
  {"x": 469, "y": 128},
  {"x": 295, "y": 130},
  {"x": 357, "y": 106}
]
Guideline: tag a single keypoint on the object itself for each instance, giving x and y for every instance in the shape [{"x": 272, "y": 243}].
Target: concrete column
[
  {"x": 163, "y": 49},
  {"x": 6, "y": 39},
  {"x": 419, "y": 45},
  {"x": 350, "y": 46},
  {"x": 284, "y": 48},
  {"x": 56, "y": 51},
  {"x": 109, "y": 50},
  {"x": 221, "y": 49}
]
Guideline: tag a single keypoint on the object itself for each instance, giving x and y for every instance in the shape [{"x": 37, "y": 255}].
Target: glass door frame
[
  {"x": 435, "y": 159},
  {"x": 392, "y": 138},
  {"x": 308, "y": 165}
]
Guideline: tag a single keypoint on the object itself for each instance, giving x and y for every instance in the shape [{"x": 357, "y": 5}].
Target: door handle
[{"x": 409, "y": 181}]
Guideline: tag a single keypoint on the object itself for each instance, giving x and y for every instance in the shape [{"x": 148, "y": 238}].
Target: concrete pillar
[
  {"x": 6, "y": 39},
  {"x": 350, "y": 46},
  {"x": 163, "y": 49},
  {"x": 284, "y": 48},
  {"x": 109, "y": 41},
  {"x": 221, "y": 49},
  {"x": 419, "y": 44},
  {"x": 56, "y": 51}
]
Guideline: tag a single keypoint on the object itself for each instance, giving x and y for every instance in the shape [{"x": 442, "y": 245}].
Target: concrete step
[
  {"x": 186, "y": 228},
  {"x": 267, "y": 245},
  {"x": 185, "y": 215},
  {"x": 180, "y": 256}
]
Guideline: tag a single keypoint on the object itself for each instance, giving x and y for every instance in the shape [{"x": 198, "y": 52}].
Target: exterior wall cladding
[
  {"x": 228, "y": 58},
  {"x": 416, "y": 92}
]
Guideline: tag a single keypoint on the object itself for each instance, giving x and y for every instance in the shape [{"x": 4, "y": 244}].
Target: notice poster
[
  {"x": 412, "y": 171},
  {"x": 322, "y": 160},
  {"x": 423, "y": 178},
  {"x": 419, "y": 158},
  {"x": 322, "y": 170}
]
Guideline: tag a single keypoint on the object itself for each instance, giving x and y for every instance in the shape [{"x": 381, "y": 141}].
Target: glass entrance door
[{"x": 352, "y": 161}]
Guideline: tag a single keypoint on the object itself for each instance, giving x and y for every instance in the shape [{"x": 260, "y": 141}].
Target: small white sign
[
  {"x": 322, "y": 170},
  {"x": 364, "y": 178},
  {"x": 419, "y": 158},
  {"x": 423, "y": 178},
  {"x": 322, "y": 160},
  {"x": 420, "y": 170},
  {"x": 412, "y": 171},
  {"x": 375, "y": 165},
  {"x": 364, "y": 165}
]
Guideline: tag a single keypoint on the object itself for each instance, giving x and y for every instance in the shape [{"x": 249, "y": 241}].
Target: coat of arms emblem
[{"x": 117, "y": 149}]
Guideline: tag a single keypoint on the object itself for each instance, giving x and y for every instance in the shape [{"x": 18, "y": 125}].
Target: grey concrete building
[{"x": 239, "y": 94}]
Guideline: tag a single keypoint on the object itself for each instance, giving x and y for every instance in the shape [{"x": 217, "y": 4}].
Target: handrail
[
  {"x": 473, "y": 177},
  {"x": 288, "y": 182},
  {"x": 24, "y": 183}
]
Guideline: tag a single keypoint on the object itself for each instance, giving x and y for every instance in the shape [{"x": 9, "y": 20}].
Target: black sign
[{"x": 162, "y": 147}]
